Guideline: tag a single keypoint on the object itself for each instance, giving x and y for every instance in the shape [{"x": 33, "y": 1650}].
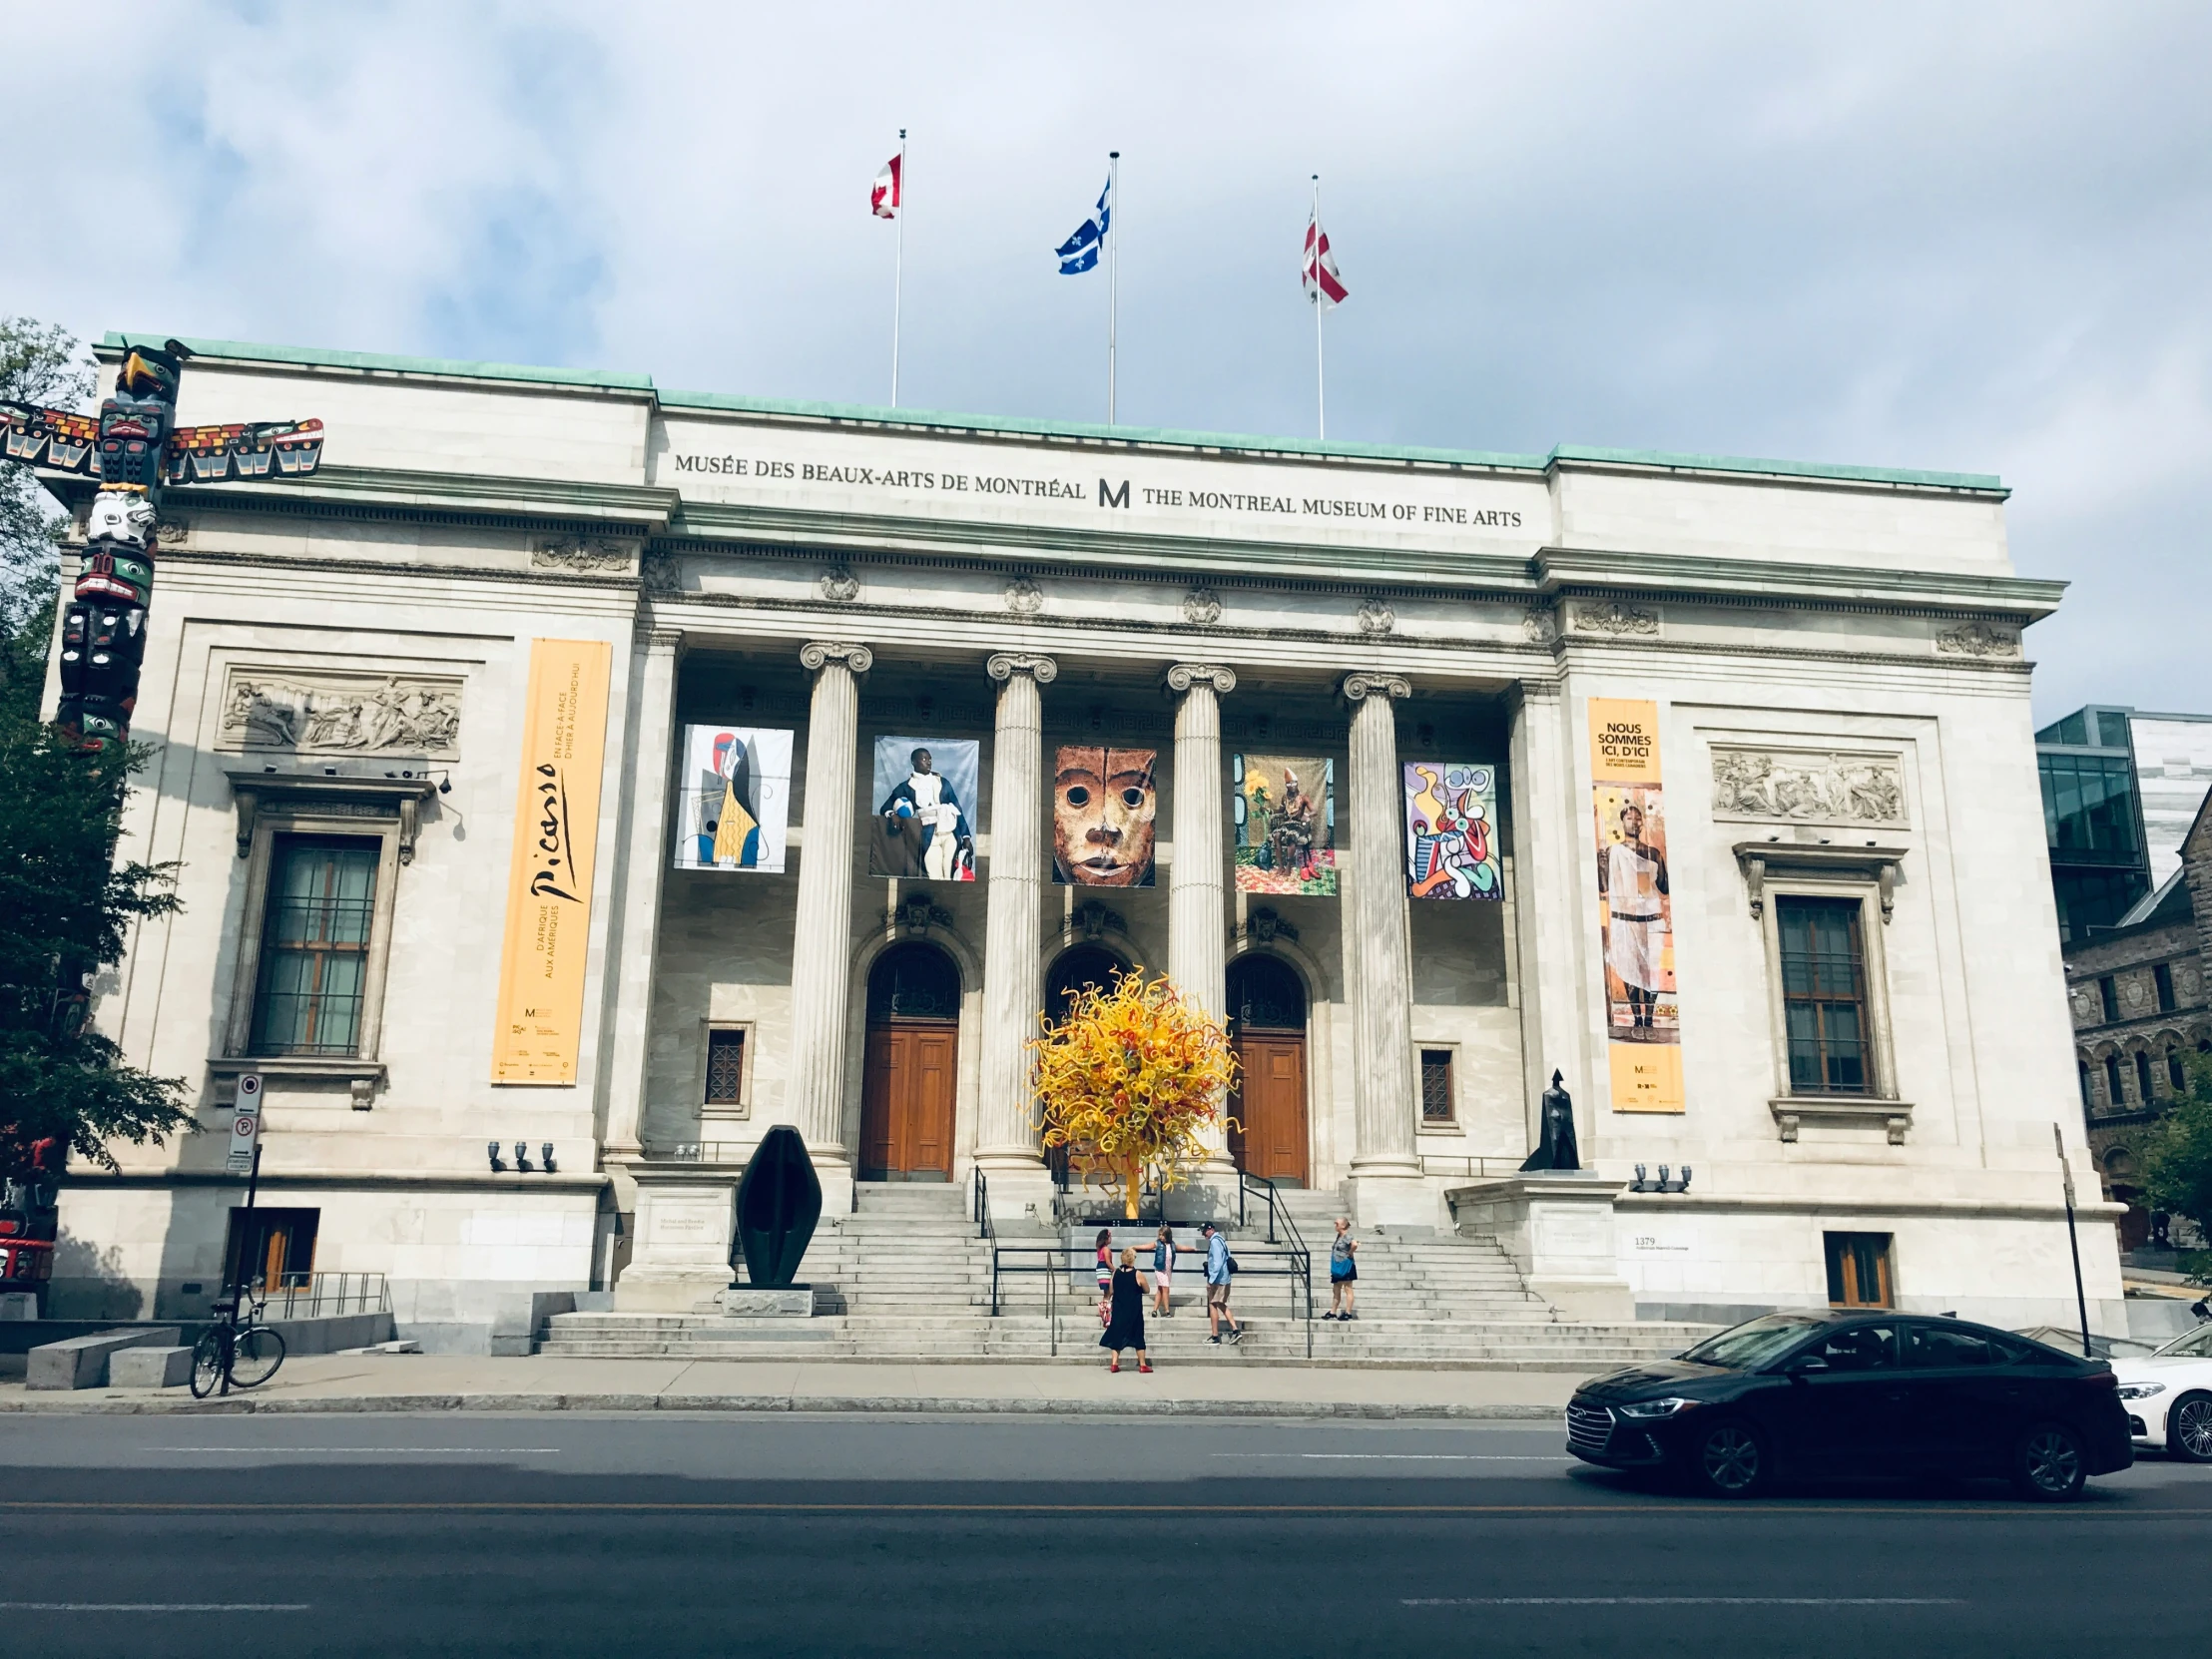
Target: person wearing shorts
[
  {"x": 1163, "y": 1272},
  {"x": 1218, "y": 1271},
  {"x": 1344, "y": 1272}
]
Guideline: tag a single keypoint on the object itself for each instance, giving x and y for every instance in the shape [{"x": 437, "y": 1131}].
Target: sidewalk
[{"x": 440, "y": 1382}]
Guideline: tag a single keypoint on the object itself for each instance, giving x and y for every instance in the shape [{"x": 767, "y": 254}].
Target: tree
[
  {"x": 1128, "y": 1080},
  {"x": 66, "y": 906},
  {"x": 2177, "y": 1152}
]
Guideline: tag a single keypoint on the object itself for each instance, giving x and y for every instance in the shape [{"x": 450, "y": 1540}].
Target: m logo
[{"x": 1112, "y": 497}]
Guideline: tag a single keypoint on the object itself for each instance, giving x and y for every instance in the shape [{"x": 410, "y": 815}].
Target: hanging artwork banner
[
  {"x": 1104, "y": 803},
  {"x": 1285, "y": 812},
  {"x": 1452, "y": 831},
  {"x": 923, "y": 793},
  {"x": 1635, "y": 907},
  {"x": 734, "y": 799},
  {"x": 541, "y": 968}
]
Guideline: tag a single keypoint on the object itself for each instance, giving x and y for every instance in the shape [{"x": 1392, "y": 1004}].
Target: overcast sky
[{"x": 1968, "y": 238}]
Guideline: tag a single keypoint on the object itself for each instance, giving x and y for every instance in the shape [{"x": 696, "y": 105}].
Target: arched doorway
[
  {"x": 1267, "y": 1024},
  {"x": 913, "y": 1043},
  {"x": 1072, "y": 969}
]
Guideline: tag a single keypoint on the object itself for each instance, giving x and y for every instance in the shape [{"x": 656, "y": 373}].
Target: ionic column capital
[
  {"x": 1004, "y": 665},
  {"x": 1183, "y": 675},
  {"x": 1369, "y": 683},
  {"x": 818, "y": 653}
]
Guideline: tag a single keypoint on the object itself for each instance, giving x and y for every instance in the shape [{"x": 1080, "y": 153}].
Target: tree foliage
[
  {"x": 1129, "y": 1079},
  {"x": 2178, "y": 1153},
  {"x": 66, "y": 906}
]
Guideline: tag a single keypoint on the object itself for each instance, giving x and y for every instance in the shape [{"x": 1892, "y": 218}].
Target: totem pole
[{"x": 134, "y": 447}]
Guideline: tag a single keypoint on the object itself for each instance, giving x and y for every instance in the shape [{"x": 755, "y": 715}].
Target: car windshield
[
  {"x": 1748, "y": 1345},
  {"x": 2192, "y": 1344}
]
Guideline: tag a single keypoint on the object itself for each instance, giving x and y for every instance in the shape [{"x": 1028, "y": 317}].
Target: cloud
[{"x": 1962, "y": 236}]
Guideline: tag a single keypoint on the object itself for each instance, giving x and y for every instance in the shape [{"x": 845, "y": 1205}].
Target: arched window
[
  {"x": 913, "y": 981},
  {"x": 2142, "y": 1077},
  {"x": 1265, "y": 995},
  {"x": 2174, "y": 1074},
  {"x": 2088, "y": 1094},
  {"x": 2115, "y": 1095},
  {"x": 1085, "y": 964}
]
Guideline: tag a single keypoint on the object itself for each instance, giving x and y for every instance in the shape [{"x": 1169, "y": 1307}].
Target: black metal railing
[
  {"x": 983, "y": 1204},
  {"x": 1011, "y": 1261},
  {"x": 1298, "y": 1261}
]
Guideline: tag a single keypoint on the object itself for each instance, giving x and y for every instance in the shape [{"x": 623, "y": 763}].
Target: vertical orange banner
[
  {"x": 541, "y": 970},
  {"x": 1635, "y": 907}
]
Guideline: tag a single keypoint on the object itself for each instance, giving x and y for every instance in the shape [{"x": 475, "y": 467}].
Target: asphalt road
[{"x": 666, "y": 1535}]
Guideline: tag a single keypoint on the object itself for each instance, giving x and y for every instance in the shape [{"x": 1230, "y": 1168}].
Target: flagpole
[
  {"x": 1113, "y": 272},
  {"x": 1320, "y": 393},
  {"x": 899, "y": 264}
]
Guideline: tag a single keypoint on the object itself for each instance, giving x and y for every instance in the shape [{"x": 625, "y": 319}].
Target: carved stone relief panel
[
  {"x": 1782, "y": 785},
  {"x": 1616, "y": 621},
  {"x": 578, "y": 553},
  {"x": 1979, "y": 639},
  {"x": 340, "y": 712}
]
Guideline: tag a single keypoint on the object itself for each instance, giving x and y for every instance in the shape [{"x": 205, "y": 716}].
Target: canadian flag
[
  {"x": 883, "y": 199},
  {"x": 1322, "y": 283}
]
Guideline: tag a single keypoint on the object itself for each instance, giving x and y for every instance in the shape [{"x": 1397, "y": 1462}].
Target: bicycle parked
[{"x": 231, "y": 1355}]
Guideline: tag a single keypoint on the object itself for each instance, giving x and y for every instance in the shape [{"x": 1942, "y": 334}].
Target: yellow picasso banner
[
  {"x": 541, "y": 970},
  {"x": 1635, "y": 906}
]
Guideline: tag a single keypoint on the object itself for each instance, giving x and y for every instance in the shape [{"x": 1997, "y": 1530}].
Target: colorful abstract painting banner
[
  {"x": 1452, "y": 831},
  {"x": 1635, "y": 907},
  {"x": 733, "y": 804},
  {"x": 541, "y": 970}
]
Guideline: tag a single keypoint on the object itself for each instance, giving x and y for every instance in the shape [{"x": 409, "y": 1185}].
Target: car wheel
[
  {"x": 1727, "y": 1460},
  {"x": 2048, "y": 1464},
  {"x": 2189, "y": 1428}
]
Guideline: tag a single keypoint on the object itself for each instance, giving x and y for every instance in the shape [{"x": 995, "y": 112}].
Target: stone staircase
[{"x": 905, "y": 1278}]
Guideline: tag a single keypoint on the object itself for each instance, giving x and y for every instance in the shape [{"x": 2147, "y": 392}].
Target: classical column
[
  {"x": 822, "y": 943},
  {"x": 634, "y": 939},
  {"x": 1386, "y": 1167},
  {"x": 1549, "y": 868},
  {"x": 1007, "y": 1147},
  {"x": 1198, "y": 894}
]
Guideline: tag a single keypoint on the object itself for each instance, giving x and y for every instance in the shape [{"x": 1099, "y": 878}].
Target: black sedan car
[{"x": 1857, "y": 1393}]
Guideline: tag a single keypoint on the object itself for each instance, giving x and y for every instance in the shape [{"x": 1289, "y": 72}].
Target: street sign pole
[{"x": 2073, "y": 1243}]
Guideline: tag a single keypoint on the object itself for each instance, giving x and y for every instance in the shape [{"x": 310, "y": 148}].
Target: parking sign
[{"x": 246, "y": 1124}]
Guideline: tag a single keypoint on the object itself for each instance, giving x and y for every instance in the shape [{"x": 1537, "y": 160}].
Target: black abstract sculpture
[
  {"x": 1555, "y": 1147},
  {"x": 778, "y": 1202}
]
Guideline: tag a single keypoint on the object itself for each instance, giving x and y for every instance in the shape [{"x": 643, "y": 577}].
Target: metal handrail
[
  {"x": 983, "y": 1204},
  {"x": 326, "y": 1295},
  {"x": 1469, "y": 1169},
  {"x": 1300, "y": 1257}
]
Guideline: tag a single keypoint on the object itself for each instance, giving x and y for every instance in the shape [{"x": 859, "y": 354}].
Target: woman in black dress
[{"x": 1125, "y": 1328}]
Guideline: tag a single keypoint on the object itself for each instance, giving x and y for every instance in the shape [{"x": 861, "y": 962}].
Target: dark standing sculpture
[
  {"x": 1555, "y": 1147},
  {"x": 134, "y": 446},
  {"x": 778, "y": 1202}
]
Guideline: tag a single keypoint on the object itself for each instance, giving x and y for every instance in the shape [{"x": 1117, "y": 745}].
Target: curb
[{"x": 840, "y": 1403}]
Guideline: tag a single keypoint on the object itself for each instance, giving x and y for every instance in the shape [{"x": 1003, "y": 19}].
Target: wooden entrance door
[
  {"x": 907, "y": 1103},
  {"x": 1270, "y": 1103}
]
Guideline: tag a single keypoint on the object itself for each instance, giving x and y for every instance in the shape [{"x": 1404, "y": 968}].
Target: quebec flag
[{"x": 1080, "y": 252}]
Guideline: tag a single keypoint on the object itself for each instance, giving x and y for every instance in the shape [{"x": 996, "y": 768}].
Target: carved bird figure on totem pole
[{"x": 134, "y": 447}]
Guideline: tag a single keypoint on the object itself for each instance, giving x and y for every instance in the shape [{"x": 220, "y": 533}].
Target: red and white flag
[
  {"x": 884, "y": 199},
  {"x": 1322, "y": 283}
]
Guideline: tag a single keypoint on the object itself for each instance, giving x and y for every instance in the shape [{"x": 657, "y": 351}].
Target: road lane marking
[
  {"x": 380, "y": 1450},
  {"x": 1682, "y": 1601},
  {"x": 1409, "y": 1456},
  {"x": 156, "y": 1606}
]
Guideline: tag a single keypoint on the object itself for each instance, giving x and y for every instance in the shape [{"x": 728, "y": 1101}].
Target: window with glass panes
[
  {"x": 315, "y": 945},
  {"x": 1824, "y": 995},
  {"x": 1435, "y": 1086},
  {"x": 724, "y": 1068}
]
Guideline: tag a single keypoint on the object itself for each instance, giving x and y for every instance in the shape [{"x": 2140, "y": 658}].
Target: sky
[{"x": 1968, "y": 238}]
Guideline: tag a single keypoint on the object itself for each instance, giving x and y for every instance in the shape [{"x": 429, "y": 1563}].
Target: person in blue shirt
[{"x": 1220, "y": 1266}]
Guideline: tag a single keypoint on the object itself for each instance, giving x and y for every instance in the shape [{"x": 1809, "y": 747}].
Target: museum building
[{"x": 573, "y": 779}]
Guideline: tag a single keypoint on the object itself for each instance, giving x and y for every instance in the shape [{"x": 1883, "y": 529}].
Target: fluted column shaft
[
  {"x": 1013, "y": 940},
  {"x": 822, "y": 946},
  {"x": 1198, "y": 891},
  {"x": 636, "y": 933},
  {"x": 1380, "y": 962}
]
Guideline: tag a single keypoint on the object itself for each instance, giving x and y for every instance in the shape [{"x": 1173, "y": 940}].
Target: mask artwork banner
[
  {"x": 733, "y": 801},
  {"x": 541, "y": 966},
  {"x": 1635, "y": 907},
  {"x": 1450, "y": 830},
  {"x": 923, "y": 793},
  {"x": 1285, "y": 812},
  {"x": 1104, "y": 805}
]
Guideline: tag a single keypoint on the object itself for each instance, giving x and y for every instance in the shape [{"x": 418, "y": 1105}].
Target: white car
[{"x": 2168, "y": 1395}]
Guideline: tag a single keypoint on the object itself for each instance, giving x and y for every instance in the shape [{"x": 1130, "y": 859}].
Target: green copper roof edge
[{"x": 734, "y": 403}]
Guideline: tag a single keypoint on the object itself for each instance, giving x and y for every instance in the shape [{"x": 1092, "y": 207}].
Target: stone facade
[{"x": 1843, "y": 707}]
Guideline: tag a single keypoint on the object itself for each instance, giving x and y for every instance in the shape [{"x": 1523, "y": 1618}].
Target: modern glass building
[{"x": 2092, "y": 818}]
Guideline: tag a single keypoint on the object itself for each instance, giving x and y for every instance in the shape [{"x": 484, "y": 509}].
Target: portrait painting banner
[
  {"x": 1104, "y": 805},
  {"x": 1452, "y": 831},
  {"x": 734, "y": 799},
  {"x": 1635, "y": 907},
  {"x": 541, "y": 968},
  {"x": 1285, "y": 812},
  {"x": 923, "y": 794}
]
